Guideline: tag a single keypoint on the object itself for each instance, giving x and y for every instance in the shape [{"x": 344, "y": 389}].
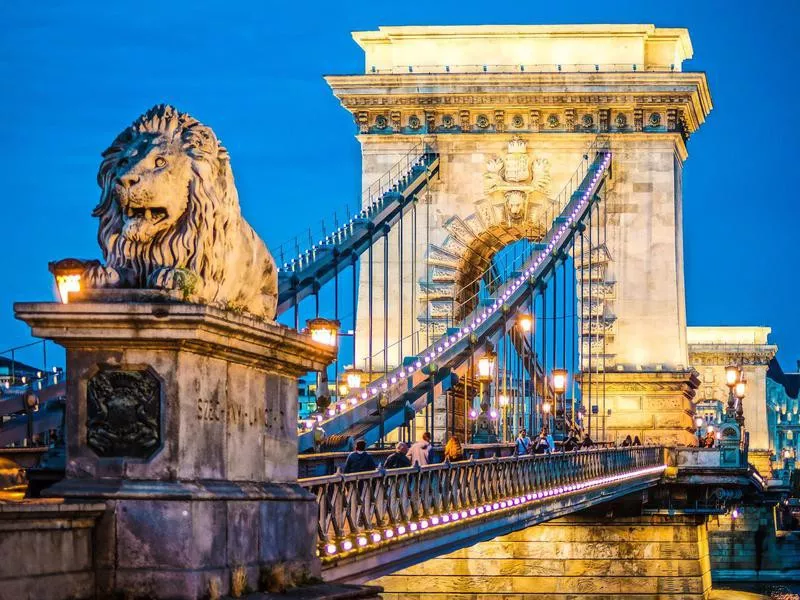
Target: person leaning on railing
[
  {"x": 358, "y": 460},
  {"x": 453, "y": 451}
]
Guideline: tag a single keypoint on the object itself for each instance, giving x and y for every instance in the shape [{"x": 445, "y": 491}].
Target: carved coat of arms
[{"x": 518, "y": 184}]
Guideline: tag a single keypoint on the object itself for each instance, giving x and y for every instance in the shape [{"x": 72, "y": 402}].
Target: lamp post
[
  {"x": 559, "y": 387},
  {"x": 486, "y": 369},
  {"x": 324, "y": 331},
  {"x": 739, "y": 391},
  {"x": 354, "y": 378},
  {"x": 546, "y": 414},
  {"x": 503, "y": 401},
  {"x": 383, "y": 402}
]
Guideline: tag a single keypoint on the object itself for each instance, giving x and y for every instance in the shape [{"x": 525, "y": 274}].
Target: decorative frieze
[
  {"x": 605, "y": 117},
  {"x": 569, "y": 119},
  {"x": 638, "y": 119},
  {"x": 362, "y": 121},
  {"x": 499, "y": 121},
  {"x": 534, "y": 116},
  {"x": 463, "y": 119},
  {"x": 394, "y": 116}
]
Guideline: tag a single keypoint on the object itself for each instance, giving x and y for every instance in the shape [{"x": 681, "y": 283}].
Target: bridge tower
[{"x": 510, "y": 111}]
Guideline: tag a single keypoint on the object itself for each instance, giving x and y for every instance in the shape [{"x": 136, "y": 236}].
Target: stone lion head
[
  {"x": 170, "y": 218},
  {"x": 162, "y": 178}
]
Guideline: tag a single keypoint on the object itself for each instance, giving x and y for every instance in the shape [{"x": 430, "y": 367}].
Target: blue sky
[{"x": 74, "y": 74}]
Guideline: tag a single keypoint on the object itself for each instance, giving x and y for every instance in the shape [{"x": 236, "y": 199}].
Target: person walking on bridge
[
  {"x": 419, "y": 453},
  {"x": 398, "y": 458},
  {"x": 358, "y": 460}
]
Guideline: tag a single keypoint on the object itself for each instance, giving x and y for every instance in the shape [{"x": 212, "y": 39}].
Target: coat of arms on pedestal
[{"x": 518, "y": 186}]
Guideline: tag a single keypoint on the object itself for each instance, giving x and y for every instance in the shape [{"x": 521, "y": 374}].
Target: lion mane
[{"x": 219, "y": 258}]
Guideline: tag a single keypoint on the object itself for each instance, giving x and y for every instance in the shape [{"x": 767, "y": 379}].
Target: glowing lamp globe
[
  {"x": 739, "y": 389},
  {"x": 486, "y": 365},
  {"x": 67, "y": 273},
  {"x": 324, "y": 331},
  {"x": 354, "y": 377},
  {"x": 731, "y": 375},
  {"x": 559, "y": 381},
  {"x": 525, "y": 322}
]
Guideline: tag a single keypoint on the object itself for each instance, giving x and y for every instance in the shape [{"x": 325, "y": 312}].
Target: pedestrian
[
  {"x": 398, "y": 458},
  {"x": 637, "y": 441},
  {"x": 541, "y": 445},
  {"x": 710, "y": 439},
  {"x": 523, "y": 443},
  {"x": 572, "y": 442},
  {"x": 358, "y": 460},
  {"x": 453, "y": 451},
  {"x": 627, "y": 441},
  {"x": 419, "y": 453},
  {"x": 551, "y": 444},
  {"x": 587, "y": 442}
]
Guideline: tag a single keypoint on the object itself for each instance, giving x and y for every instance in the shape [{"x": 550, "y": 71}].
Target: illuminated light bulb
[
  {"x": 353, "y": 401},
  {"x": 427, "y": 359},
  {"x": 384, "y": 385},
  {"x": 418, "y": 364},
  {"x": 472, "y": 512},
  {"x": 376, "y": 537},
  {"x": 410, "y": 370},
  {"x": 434, "y": 520},
  {"x": 347, "y": 545},
  {"x": 503, "y": 504},
  {"x": 529, "y": 496},
  {"x": 455, "y": 516},
  {"x": 401, "y": 374},
  {"x": 361, "y": 541},
  {"x": 401, "y": 529},
  {"x": 373, "y": 391},
  {"x": 330, "y": 548},
  {"x": 364, "y": 395},
  {"x": 423, "y": 524},
  {"x": 495, "y": 506},
  {"x": 393, "y": 379},
  {"x": 445, "y": 518},
  {"x": 463, "y": 514},
  {"x": 389, "y": 533},
  {"x": 481, "y": 510},
  {"x": 331, "y": 412},
  {"x": 412, "y": 526}
]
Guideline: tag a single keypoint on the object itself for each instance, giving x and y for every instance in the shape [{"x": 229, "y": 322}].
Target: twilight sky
[{"x": 74, "y": 74}]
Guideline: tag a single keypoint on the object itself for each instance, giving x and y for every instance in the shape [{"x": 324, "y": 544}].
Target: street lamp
[
  {"x": 324, "y": 331},
  {"x": 67, "y": 273},
  {"x": 739, "y": 391},
  {"x": 503, "y": 401},
  {"x": 731, "y": 375},
  {"x": 698, "y": 423},
  {"x": 486, "y": 364},
  {"x": 354, "y": 378},
  {"x": 559, "y": 387},
  {"x": 525, "y": 322}
]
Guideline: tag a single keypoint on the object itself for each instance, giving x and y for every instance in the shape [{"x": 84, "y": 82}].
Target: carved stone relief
[{"x": 123, "y": 413}]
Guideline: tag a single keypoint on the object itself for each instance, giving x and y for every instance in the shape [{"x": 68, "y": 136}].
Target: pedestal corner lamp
[
  {"x": 324, "y": 331},
  {"x": 67, "y": 273}
]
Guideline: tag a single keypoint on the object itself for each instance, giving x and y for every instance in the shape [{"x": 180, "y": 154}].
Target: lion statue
[{"x": 170, "y": 218}]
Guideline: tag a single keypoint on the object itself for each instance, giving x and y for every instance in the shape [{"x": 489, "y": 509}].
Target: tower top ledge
[{"x": 476, "y": 48}]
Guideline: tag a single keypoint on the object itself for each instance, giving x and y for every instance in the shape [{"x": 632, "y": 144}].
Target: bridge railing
[{"x": 361, "y": 510}]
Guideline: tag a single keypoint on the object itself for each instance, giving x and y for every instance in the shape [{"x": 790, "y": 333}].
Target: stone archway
[{"x": 516, "y": 205}]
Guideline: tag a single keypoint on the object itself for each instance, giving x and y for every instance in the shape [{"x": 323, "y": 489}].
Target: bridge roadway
[{"x": 378, "y": 522}]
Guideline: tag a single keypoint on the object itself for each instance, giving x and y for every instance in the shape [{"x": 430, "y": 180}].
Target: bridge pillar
[
  {"x": 182, "y": 419},
  {"x": 570, "y": 558}
]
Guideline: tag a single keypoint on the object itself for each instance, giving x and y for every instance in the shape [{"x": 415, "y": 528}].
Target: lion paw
[
  {"x": 167, "y": 278},
  {"x": 100, "y": 276}
]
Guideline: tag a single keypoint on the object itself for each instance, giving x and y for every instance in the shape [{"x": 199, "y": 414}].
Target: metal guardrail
[{"x": 359, "y": 511}]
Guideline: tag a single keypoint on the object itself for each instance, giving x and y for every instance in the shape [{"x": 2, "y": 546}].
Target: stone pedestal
[
  {"x": 656, "y": 406},
  {"x": 182, "y": 418}
]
